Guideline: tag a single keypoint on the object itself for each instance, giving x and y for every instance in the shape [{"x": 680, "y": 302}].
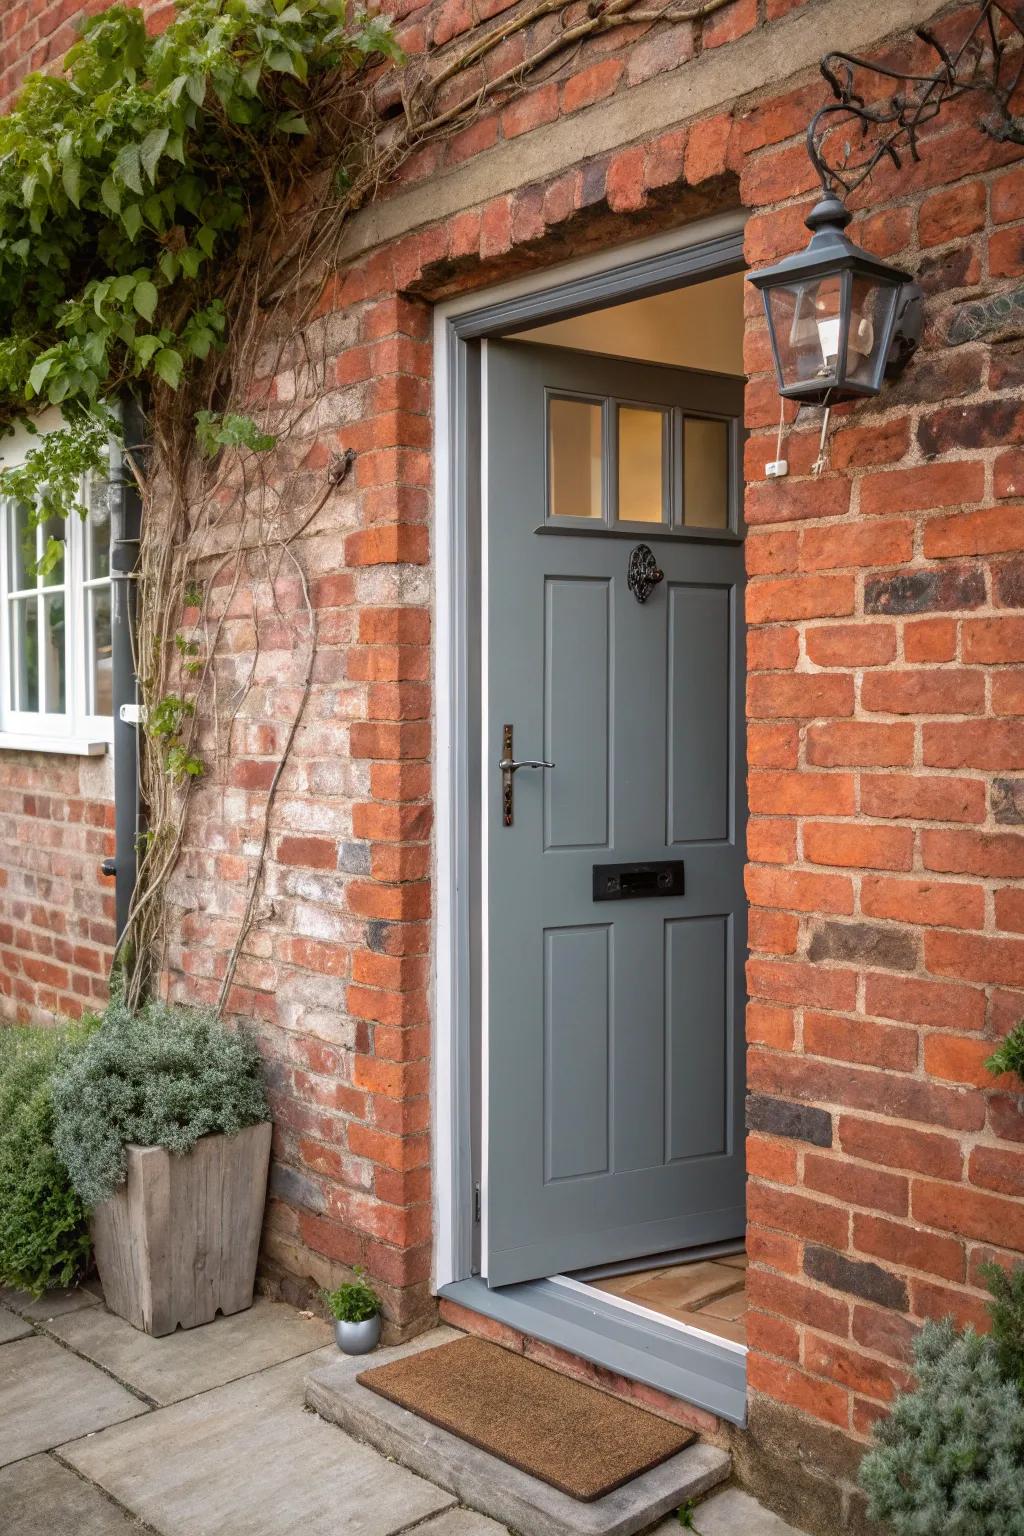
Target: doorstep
[{"x": 493, "y": 1486}]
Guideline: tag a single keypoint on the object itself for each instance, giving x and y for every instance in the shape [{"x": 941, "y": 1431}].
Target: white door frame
[{"x": 703, "y": 249}]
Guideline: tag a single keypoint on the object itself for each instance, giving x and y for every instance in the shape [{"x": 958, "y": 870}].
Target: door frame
[{"x": 707, "y": 248}]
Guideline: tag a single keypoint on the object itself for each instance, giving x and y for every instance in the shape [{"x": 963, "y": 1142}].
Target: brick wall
[
  {"x": 56, "y": 908},
  {"x": 887, "y": 780}
]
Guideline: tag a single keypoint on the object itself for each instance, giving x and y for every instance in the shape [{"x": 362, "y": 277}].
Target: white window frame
[{"x": 75, "y": 731}]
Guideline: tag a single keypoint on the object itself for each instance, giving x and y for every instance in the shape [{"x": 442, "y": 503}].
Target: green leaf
[
  {"x": 292, "y": 122},
  {"x": 110, "y": 194},
  {"x": 131, "y": 218},
  {"x": 168, "y": 365},
  {"x": 37, "y": 377},
  {"x": 71, "y": 176},
  {"x": 128, "y": 167},
  {"x": 145, "y": 299},
  {"x": 150, "y": 150},
  {"x": 196, "y": 87}
]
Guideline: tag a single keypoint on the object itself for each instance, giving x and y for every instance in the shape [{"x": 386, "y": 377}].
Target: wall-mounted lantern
[{"x": 839, "y": 319}]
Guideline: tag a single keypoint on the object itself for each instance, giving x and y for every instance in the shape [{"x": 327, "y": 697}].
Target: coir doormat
[{"x": 572, "y": 1436}]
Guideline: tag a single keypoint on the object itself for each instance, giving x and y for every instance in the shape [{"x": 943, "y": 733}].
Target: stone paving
[{"x": 107, "y": 1432}]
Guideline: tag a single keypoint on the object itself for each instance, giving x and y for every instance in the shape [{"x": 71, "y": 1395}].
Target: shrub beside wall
[{"x": 44, "y": 1235}]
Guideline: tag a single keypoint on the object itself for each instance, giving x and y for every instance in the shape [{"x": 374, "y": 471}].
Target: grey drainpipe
[{"x": 125, "y": 530}]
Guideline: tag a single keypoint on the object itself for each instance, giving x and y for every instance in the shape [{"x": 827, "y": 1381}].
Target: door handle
[{"x": 508, "y": 766}]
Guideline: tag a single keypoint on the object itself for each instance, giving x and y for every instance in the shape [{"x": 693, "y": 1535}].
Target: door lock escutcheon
[{"x": 509, "y": 767}]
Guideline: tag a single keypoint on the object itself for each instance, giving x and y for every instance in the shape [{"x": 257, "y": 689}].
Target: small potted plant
[{"x": 355, "y": 1308}]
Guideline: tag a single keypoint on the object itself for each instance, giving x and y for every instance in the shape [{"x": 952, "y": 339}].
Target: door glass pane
[
  {"x": 100, "y": 684},
  {"x": 705, "y": 473},
  {"x": 18, "y": 521},
  {"x": 56, "y": 654},
  {"x": 24, "y": 640},
  {"x": 574, "y": 458},
  {"x": 641, "y": 457},
  {"x": 99, "y": 529}
]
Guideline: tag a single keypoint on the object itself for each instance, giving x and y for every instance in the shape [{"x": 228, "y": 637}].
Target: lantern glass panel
[
  {"x": 806, "y": 321},
  {"x": 871, "y": 306}
]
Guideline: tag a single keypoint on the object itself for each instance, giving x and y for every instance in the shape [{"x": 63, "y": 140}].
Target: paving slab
[
  {"x": 40, "y": 1309},
  {"x": 731, "y": 1513},
  {"x": 486, "y": 1483},
  {"x": 247, "y": 1460},
  {"x": 12, "y": 1326},
  {"x": 461, "y": 1522},
  {"x": 48, "y": 1395},
  {"x": 39, "y": 1497},
  {"x": 194, "y": 1359}
]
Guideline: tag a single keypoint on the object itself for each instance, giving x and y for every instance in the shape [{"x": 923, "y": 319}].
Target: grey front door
[{"x": 613, "y": 1057}]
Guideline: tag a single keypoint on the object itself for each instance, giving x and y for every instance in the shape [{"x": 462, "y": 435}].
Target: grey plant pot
[{"x": 357, "y": 1338}]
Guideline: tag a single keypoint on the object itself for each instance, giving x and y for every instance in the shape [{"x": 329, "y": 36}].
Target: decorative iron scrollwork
[
  {"x": 987, "y": 62},
  {"x": 643, "y": 572}
]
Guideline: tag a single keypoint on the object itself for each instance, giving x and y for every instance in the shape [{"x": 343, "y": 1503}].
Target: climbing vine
[{"x": 169, "y": 209}]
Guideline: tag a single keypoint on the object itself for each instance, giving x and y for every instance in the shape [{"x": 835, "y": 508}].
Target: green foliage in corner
[
  {"x": 354, "y": 1302},
  {"x": 1007, "y": 1312},
  {"x": 44, "y": 1235},
  {"x": 949, "y": 1459},
  {"x": 162, "y": 1077},
  {"x": 127, "y": 182},
  {"x": 1010, "y": 1055}
]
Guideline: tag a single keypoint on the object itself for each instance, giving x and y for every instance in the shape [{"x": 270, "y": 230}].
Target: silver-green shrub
[
  {"x": 949, "y": 1459},
  {"x": 160, "y": 1078}
]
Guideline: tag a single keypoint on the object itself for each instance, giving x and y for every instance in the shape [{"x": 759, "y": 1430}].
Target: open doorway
[{"x": 596, "y": 458}]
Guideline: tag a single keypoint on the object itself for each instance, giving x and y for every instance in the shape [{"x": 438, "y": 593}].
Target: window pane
[
  {"x": 101, "y": 696},
  {"x": 54, "y": 639},
  {"x": 98, "y": 540},
  {"x": 574, "y": 458},
  {"x": 705, "y": 473},
  {"x": 24, "y": 643},
  {"x": 55, "y": 528},
  {"x": 19, "y": 567},
  {"x": 641, "y": 488}
]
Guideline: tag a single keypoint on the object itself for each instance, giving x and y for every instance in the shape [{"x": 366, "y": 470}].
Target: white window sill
[{"x": 66, "y": 746}]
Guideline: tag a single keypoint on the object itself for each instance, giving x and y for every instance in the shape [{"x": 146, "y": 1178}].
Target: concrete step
[{"x": 484, "y": 1482}]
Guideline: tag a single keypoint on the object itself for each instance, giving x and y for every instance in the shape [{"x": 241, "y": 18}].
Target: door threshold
[{"x": 621, "y": 1336}]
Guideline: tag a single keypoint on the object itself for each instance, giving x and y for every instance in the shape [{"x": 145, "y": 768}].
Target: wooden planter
[{"x": 178, "y": 1241}]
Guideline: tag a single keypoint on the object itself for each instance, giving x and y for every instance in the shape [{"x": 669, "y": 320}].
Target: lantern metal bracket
[{"x": 888, "y": 129}]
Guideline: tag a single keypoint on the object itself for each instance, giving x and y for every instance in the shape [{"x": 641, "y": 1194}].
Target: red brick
[
  {"x": 994, "y": 640},
  {"x": 976, "y": 957},
  {"x": 798, "y": 890},
  {"x": 790, "y": 982},
  {"x": 772, "y": 1160},
  {"x": 786, "y": 501},
  {"x": 909, "y": 1247},
  {"x": 923, "y": 488},
  {"x": 851, "y": 1039},
  {"x": 799, "y": 695},
  {"x": 930, "y": 640},
  {"x": 949, "y": 904},
  {"x": 809, "y": 1394},
  {"x": 871, "y": 544},
  {"x": 951, "y": 213},
  {"x": 969, "y": 1212},
  {"x": 770, "y": 1026},
  {"x": 974, "y": 744},
  {"x": 1009, "y": 473},
  {"x": 859, "y": 847},
  {"x": 1006, "y": 253},
  {"x": 850, "y": 1087},
  {"x": 844, "y": 1181},
  {"x": 851, "y": 645},
  {"x": 853, "y": 743},
  {"x": 808, "y": 794},
  {"x": 1008, "y": 196},
  {"x": 926, "y": 692},
  {"x": 592, "y": 84},
  {"x": 801, "y": 597},
  {"x": 307, "y": 852},
  {"x": 999, "y": 854},
  {"x": 935, "y": 1004},
  {"x": 874, "y": 1378},
  {"x": 989, "y": 531},
  {"x": 898, "y": 1146}
]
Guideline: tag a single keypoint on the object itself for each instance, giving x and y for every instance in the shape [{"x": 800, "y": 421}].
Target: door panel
[{"x": 614, "y": 1052}]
